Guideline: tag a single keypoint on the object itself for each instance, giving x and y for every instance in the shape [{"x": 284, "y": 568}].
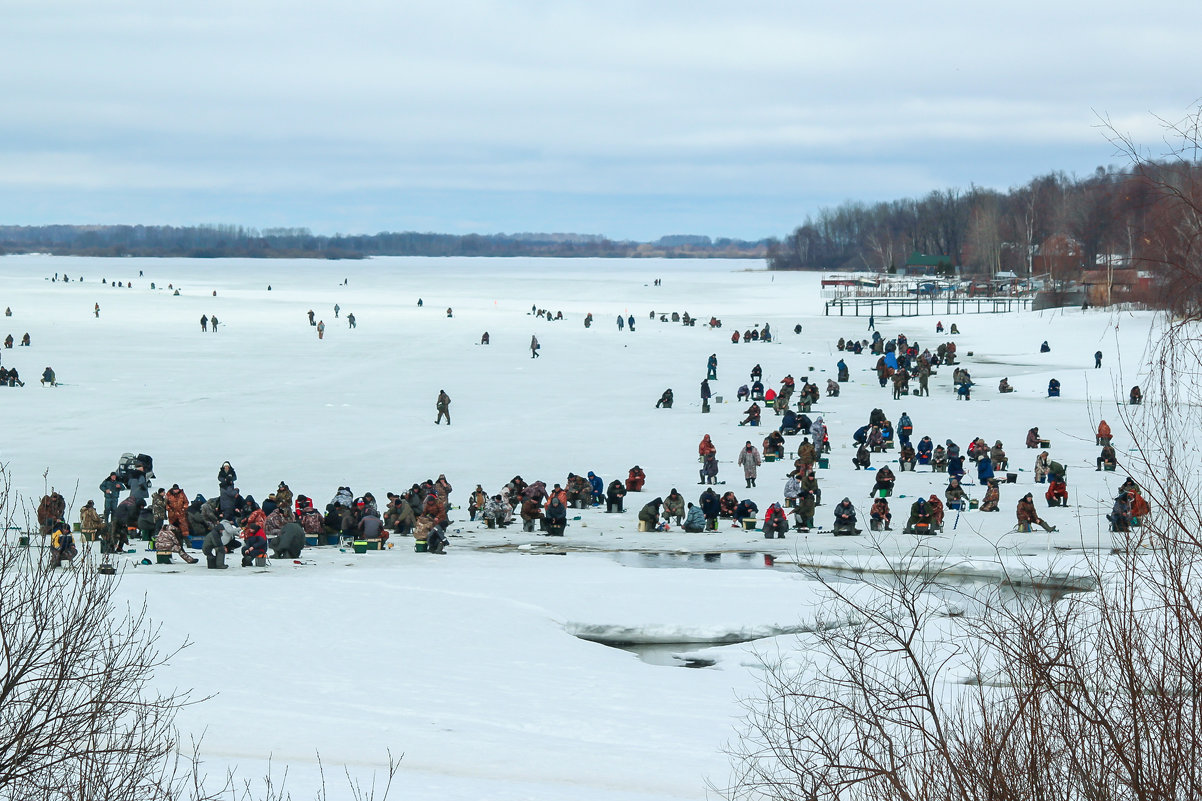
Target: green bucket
[
  {"x": 360, "y": 546},
  {"x": 421, "y": 546},
  {"x": 373, "y": 545}
]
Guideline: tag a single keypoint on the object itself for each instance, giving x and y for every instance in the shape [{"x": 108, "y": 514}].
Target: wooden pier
[{"x": 928, "y": 305}]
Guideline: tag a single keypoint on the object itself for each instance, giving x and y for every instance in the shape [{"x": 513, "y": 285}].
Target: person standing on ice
[
  {"x": 534, "y": 346},
  {"x": 443, "y": 405},
  {"x": 621, "y": 322},
  {"x": 630, "y": 323},
  {"x": 1097, "y": 359},
  {"x": 213, "y": 320},
  {"x": 321, "y": 329},
  {"x": 711, "y": 367},
  {"x": 337, "y": 309},
  {"x": 749, "y": 460},
  {"x": 204, "y": 323}
]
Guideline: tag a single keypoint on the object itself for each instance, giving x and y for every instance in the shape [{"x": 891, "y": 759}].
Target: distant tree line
[
  {"x": 224, "y": 241},
  {"x": 1111, "y": 217}
]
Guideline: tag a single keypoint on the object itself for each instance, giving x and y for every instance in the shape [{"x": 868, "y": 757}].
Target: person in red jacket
[{"x": 635, "y": 479}]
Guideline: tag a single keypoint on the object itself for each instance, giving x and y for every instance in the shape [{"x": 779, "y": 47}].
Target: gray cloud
[{"x": 776, "y": 106}]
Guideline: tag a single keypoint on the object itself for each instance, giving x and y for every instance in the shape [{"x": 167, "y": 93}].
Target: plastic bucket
[
  {"x": 360, "y": 546},
  {"x": 311, "y": 541},
  {"x": 824, "y": 463},
  {"x": 421, "y": 546},
  {"x": 373, "y": 545},
  {"x": 748, "y": 523}
]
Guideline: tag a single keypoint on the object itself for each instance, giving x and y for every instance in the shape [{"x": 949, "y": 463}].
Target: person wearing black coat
[
  {"x": 226, "y": 475},
  {"x": 710, "y": 507},
  {"x": 845, "y": 516},
  {"x": 556, "y": 516},
  {"x": 649, "y": 514},
  {"x": 290, "y": 542},
  {"x": 614, "y": 495}
]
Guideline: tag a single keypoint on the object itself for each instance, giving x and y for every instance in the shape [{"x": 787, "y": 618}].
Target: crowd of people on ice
[{"x": 283, "y": 523}]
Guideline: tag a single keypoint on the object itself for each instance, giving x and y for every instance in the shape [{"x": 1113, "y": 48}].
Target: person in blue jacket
[
  {"x": 984, "y": 470},
  {"x": 925, "y": 446},
  {"x": 1054, "y": 388},
  {"x": 694, "y": 520},
  {"x": 597, "y": 485}
]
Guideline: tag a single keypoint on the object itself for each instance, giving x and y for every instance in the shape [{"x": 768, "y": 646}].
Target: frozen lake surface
[{"x": 478, "y": 665}]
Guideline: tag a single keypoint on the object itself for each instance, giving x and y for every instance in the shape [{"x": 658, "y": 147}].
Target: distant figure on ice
[
  {"x": 443, "y": 405},
  {"x": 312, "y": 321},
  {"x": 706, "y": 394},
  {"x": 1054, "y": 388},
  {"x": 711, "y": 367},
  {"x": 1097, "y": 359},
  {"x": 350, "y": 320},
  {"x": 621, "y": 322},
  {"x": 321, "y": 329},
  {"x": 630, "y": 323},
  {"x": 213, "y": 322},
  {"x": 96, "y": 310},
  {"x": 1136, "y": 397},
  {"x": 1004, "y": 386},
  {"x": 1045, "y": 347},
  {"x": 534, "y": 346},
  {"x": 25, "y": 339},
  {"x": 419, "y": 303},
  {"x": 665, "y": 400},
  {"x": 48, "y": 378},
  {"x": 337, "y": 309},
  {"x": 449, "y": 313},
  {"x": 484, "y": 339}
]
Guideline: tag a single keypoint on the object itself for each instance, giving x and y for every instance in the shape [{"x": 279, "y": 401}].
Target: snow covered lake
[{"x": 481, "y": 665}]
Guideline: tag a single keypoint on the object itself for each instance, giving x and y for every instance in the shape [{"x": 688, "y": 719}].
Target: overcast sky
[{"x": 630, "y": 119}]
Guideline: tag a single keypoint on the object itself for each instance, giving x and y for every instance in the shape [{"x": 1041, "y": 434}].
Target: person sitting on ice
[
  {"x": 925, "y": 450},
  {"x": 789, "y": 424},
  {"x": 1054, "y": 388},
  {"x": 728, "y": 504},
  {"x": 964, "y": 390},
  {"x": 1027, "y": 516},
  {"x": 939, "y": 327},
  {"x": 1108, "y": 458},
  {"x": 919, "y": 520},
  {"x": 884, "y": 481},
  {"x": 694, "y": 520},
  {"x": 1033, "y": 437},
  {"x": 1057, "y": 494},
  {"x": 743, "y": 393},
  {"x": 1136, "y": 396},
  {"x": 1045, "y": 347},
  {"x": 955, "y": 495},
  {"x": 832, "y": 388},
  {"x": 845, "y": 517},
  {"x": 757, "y": 391},
  {"x": 753, "y": 415},
  {"x": 635, "y": 479},
  {"x": 746, "y": 508},
  {"x": 907, "y": 459},
  {"x": 614, "y": 494},
  {"x": 168, "y": 541},
  {"x": 774, "y": 444},
  {"x": 955, "y": 466},
  {"x": 863, "y": 458},
  {"x": 803, "y": 511},
  {"x": 1004, "y": 386},
  {"x": 48, "y": 378},
  {"x": 879, "y": 515},
  {"x": 954, "y": 329},
  {"x": 556, "y": 516},
  {"x": 992, "y": 496},
  {"x": 776, "y": 523},
  {"x": 62, "y": 543},
  {"x": 665, "y": 400}
]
